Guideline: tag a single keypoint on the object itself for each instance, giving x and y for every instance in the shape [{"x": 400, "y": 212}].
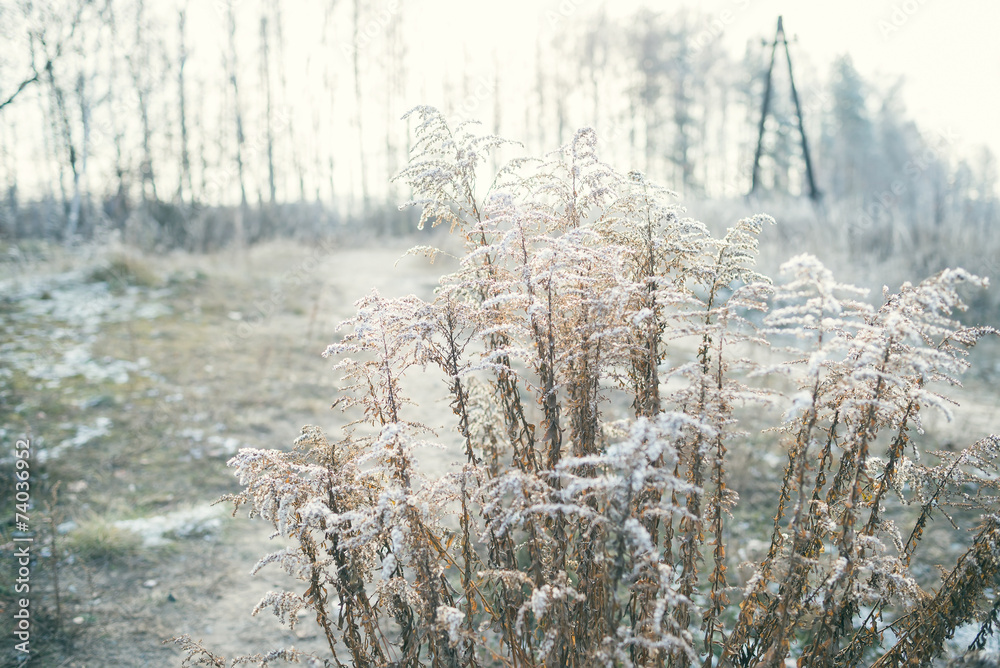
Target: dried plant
[{"x": 599, "y": 351}]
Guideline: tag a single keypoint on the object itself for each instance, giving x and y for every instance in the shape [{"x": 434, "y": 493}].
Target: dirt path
[{"x": 156, "y": 376}]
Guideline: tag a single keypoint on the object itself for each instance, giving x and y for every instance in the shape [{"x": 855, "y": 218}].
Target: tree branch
[{"x": 24, "y": 84}]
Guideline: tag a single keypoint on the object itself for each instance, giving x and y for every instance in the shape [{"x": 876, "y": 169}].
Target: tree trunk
[
  {"x": 81, "y": 190},
  {"x": 237, "y": 109},
  {"x": 71, "y": 206},
  {"x": 185, "y": 175},
  {"x": 140, "y": 72},
  {"x": 363, "y": 164},
  {"x": 265, "y": 72},
  {"x": 289, "y": 121},
  {"x": 239, "y": 233}
]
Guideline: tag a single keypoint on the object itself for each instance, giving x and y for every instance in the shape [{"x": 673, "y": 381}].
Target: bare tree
[
  {"x": 81, "y": 190},
  {"x": 681, "y": 75},
  {"x": 139, "y": 66},
  {"x": 359, "y": 110},
  {"x": 9, "y": 209},
  {"x": 119, "y": 201},
  {"x": 182, "y": 55},
  {"x": 63, "y": 130},
  {"x": 540, "y": 86},
  {"x": 265, "y": 75},
  {"x": 279, "y": 35},
  {"x": 47, "y": 41},
  {"x": 395, "y": 78},
  {"x": 232, "y": 64},
  {"x": 330, "y": 84}
]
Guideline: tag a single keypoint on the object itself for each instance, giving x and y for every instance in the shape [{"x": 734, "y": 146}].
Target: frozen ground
[
  {"x": 136, "y": 389},
  {"x": 138, "y": 377}
]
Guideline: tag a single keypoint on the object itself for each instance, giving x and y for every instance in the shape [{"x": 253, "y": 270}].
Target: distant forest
[{"x": 191, "y": 125}]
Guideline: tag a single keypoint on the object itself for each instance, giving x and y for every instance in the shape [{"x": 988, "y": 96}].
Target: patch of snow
[
  {"x": 66, "y": 527},
  {"x": 72, "y": 311},
  {"x": 84, "y": 434},
  {"x": 229, "y": 445},
  {"x": 77, "y": 361},
  {"x": 196, "y": 435},
  {"x": 451, "y": 619},
  {"x": 151, "y": 310},
  {"x": 199, "y": 521}
]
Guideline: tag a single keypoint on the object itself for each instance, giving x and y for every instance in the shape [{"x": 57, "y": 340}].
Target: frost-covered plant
[{"x": 598, "y": 350}]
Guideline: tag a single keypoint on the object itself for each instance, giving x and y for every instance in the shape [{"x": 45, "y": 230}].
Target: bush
[
  {"x": 122, "y": 270},
  {"x": 598, "y": 348}
]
